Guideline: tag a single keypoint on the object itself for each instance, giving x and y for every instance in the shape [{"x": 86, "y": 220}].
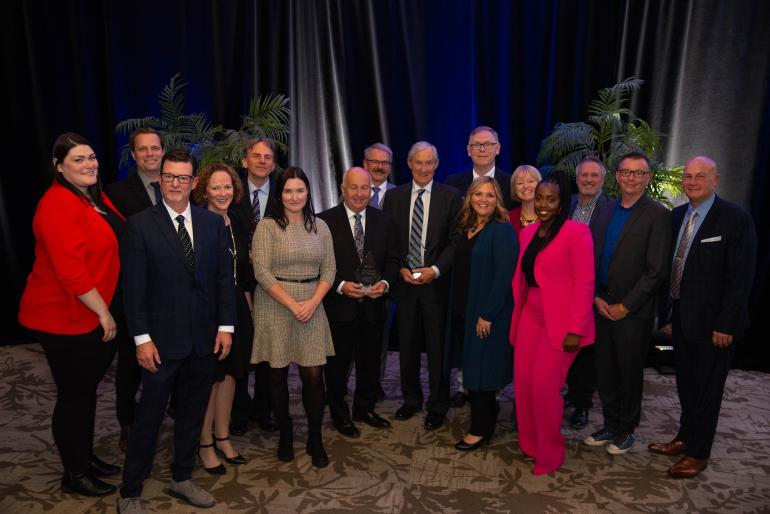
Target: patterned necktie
[
  {"x": 158, "y": 197},
  {"x": 679, "y": 257},
  {"x": 255, "y": 208},
  {"x": 359, "y": 236},
  {"x": 414, "y": 259},
  {"x": 375, "y": 201},
  {"x": 186, "y": 242}
]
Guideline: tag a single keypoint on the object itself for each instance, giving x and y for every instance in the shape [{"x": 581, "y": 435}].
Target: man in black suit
[
  {"x": 713, "y": 259},
  {"x": 632, "y": 267},
  {"x": 483, "y": 149},
  {"x": 363, "y": 240},
  {"x": 378, "y": 161},
  {"x": 180, "y": 304},
  {"x": 259, "y": 163},
  {"x": 593, "y": 208},
  {"x": 425, "y": 215},
  {"x": 140, "y": 191}
]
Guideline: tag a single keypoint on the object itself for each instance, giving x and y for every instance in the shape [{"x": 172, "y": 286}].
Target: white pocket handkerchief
[{"x": 711, "y": 239}]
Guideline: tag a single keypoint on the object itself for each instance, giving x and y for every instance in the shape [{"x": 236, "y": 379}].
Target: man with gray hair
[
  {"x": 378, "y": 161},
  {"x": 425, "y": 214},
  {"x": 593, "y": 208}
]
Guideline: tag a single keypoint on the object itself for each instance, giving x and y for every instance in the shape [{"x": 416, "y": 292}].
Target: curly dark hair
[{"x": 199, "y": 193}]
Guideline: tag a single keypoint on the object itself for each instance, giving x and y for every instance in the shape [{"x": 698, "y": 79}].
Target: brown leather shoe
[
  {"x": 688, "y": 467},
  {"x": 123, "y": 441},
  {"x": 675, "y": 447}
]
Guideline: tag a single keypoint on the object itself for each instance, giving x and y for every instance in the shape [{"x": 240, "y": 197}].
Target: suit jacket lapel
[
  {"x": 343, "y": 225},
  {"x": 166, "y": 228},
  {"x": 636, "y": 213},
  {"x": 138, "y": 190},
  {"x": 706, "y": 227},
  {"x": 199, "y": 249}
]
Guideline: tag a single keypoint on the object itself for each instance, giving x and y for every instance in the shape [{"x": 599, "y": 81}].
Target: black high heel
[
  {"x": 238, "y": 459},
  {"x": 468, "y": 447},
  {"x": 216, "y": 470}
]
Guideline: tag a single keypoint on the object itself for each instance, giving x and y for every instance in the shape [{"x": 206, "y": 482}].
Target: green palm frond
[
  {"x": 565, "y": 139},
  {"x": 171, "y": 100}
]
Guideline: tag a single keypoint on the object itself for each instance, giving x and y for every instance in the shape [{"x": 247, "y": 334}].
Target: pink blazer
[{"x": 564, "y": 270}]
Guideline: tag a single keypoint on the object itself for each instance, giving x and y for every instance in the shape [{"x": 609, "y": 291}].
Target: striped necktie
[
  {"x": 679, "y": 256},
  {"x": 414, "y": 259},
  {"x": 255, "y": 207},
  {"x": 359, "y": 236},
  {"x": 187, "y": 246}
]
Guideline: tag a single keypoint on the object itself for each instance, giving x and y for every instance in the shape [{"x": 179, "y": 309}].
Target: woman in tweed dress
[{"x": 293, "y": 259}]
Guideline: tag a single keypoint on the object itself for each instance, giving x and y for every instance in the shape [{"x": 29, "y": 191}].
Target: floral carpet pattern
[{"x": 404, "y": 469}]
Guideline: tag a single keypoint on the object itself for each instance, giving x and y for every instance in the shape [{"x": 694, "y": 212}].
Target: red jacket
[
  {"x": 75, "y": 251},
  {"x": 564, "y": 270}
]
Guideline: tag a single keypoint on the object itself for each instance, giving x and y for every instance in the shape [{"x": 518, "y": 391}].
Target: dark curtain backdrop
[{"x": 394, "y": 71}]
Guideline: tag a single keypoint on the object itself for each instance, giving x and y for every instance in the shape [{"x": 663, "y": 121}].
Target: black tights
[{"x": 312, "y": 398}]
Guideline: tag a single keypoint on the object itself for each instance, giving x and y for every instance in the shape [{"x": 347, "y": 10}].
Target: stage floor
[{"x": 404, "y": 469}]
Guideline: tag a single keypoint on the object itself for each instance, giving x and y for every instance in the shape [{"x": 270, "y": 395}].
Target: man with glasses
[
  {"x": 378, "y": 161},
  {"x": 632, "y": 267},
  {"x": 483, "y": 149},
  {"x": 140, "y": 191},
  {"x": 180, "y": 305}
]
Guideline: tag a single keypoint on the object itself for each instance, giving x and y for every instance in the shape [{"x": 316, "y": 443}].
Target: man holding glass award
[{"x": 364, "y": 249}]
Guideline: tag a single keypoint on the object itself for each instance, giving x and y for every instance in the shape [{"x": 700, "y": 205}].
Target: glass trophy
[{"x": 367, "y": 273}]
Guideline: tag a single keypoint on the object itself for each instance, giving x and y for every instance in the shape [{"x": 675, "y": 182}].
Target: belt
[{"x": 299, "y": 280}]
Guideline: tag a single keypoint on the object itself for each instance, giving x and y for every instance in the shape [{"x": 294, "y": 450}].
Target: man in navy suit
[
  {"x": 259, "y": 163},
  {"x": 593, "y": 208},
  {"x": 362, "y": 235},
  {"x": 483, "y": 149},
  {"x": 180, "y": 305},
  {"x": 713, "y": 258},
  {"x": 140, "y": 191},
  {"x": 425, "y": 215},
  {"x": 378, "y": 161}
]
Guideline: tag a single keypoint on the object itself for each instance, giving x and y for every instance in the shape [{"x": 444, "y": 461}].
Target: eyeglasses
[
  {"x": 485, "y": 146},
  {"x": 636, "y": 173},
  {"x": 384, "y": 164},
  {"x": 169, "y": 177}
]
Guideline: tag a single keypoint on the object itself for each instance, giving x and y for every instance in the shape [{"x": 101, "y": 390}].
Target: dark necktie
[
  {"x": 255, "y": 207},
  {"x": 158, "y": 197},
  {"x": 375, "y": 201},
  {"x": 679, "y": 257},
  {"x": 359, "y": 236},
  {"x": 415, "y": 237},
  {"x": 186, "y": 242}
]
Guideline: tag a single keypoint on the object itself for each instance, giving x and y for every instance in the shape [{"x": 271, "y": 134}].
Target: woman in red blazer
[
  {"x": 66, "y": 301},
  {"x": 553, "y": 290}
]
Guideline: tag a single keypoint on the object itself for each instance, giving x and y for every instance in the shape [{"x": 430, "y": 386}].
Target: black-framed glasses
[
  {"x": 485, "y": 146},
  {"x": 636, "y": 173},
  {"x": 169, "y": 177},
  {"x": 384, "y": 164}
]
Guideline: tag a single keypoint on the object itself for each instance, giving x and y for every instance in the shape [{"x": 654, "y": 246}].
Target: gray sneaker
[
  {"x": 130, "y": 506},
  {"x": 192, "y": 493}
]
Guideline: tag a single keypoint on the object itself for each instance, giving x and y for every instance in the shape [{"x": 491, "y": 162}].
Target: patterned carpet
[{"x": 404, "y": 469}]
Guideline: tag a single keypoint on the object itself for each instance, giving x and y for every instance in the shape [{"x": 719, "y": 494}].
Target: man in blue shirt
[
  {"x": 633, "y": 264},
  {"x": 712, "y": 268}
]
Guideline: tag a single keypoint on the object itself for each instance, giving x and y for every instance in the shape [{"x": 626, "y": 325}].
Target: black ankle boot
[
  {"x": 286, "y": 442},
  {"x": 85, "y": 484},
  {"x": 315, "y": 449}
]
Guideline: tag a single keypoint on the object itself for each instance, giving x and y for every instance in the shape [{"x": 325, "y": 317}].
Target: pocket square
[{"x": 711, "y": 239}]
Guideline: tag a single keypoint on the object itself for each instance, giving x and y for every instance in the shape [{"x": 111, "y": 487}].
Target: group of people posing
[{"x": 196, "y": 278}]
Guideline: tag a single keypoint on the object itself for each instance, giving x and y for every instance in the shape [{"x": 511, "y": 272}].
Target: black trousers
[
  {"x": 78, "y": 363},
  {"x": 192, "y": 379},
  {"x": 484, "y": 411},
  {"x": 581, "y": 378},
  {"x": 701, "y": 372},
  {"x": 419, "y": 320},
  {"x": 257, "y": 406},
  {"x": 128, "y": 373},
  {"x": 621, "y": 351},
  {"x": 358, "y": 340}
]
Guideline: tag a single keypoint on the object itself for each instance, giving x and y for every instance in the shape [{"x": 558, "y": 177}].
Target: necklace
[{"x": 524, "y": 221}]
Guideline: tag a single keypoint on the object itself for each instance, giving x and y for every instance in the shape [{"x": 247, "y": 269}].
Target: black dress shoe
[
  {"x": 267, "y": 424},
  {"x": 85, "y": 484},
  {"x": 286, "y": 446},
  {"x": 372, "y": 419},
  {"x": 468, "y": 447},
  {"x": 238, "y": 459},
  {"x": 459, "y": 399},
  {"x": 405, "y": 412},
  {"x": 318, "y": 456},
  {"x": 99, "y": 468},
  {"x": 216, "y": 470},
  {"x": 347, "y": 428},
  {"x": 579, "y": 418},
  {"x": 433, "y": 421}
]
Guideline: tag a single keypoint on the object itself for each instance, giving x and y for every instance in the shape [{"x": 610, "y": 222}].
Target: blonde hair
[
  {"x": 524, "y": 169},
  {"x": 468, "y": 217}
]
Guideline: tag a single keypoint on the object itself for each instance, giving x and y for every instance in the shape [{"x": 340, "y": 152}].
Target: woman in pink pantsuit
[{"x": 553, "y": 291}]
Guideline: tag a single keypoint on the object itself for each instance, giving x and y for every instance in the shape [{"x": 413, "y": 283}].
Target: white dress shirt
[{"x": 264, "y": 192}]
